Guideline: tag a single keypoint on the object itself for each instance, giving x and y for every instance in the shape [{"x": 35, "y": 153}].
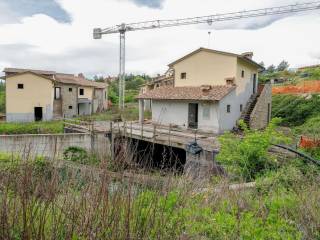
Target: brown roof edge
[
  {"x": 19, "y": 70},
  {"x": 216, "y": 51},
  {"x": 201, "y": 93},
  {"x": 31, "y": 72}
]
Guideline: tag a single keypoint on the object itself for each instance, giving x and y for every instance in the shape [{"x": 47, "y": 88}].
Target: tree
[
  {"x": 284, "y": 65},
  {"x": 98, "y": 78},
  {"x": 262, "y": 64},
  {"x": 271, "y": 69}
]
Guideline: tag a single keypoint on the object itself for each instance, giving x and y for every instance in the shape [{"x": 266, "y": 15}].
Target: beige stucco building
[
  {"x": 211, "y": 91},
  {"x": 34, "y": 95}
]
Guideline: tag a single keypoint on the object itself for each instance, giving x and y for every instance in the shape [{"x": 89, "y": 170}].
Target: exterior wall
[
  {"x": 68, "y": 99},
  {"x": 88, "y": 92},
  {"x": 211, "y": 123},
  {"x": 20, "y": 103},
  {"x": 205, "y": 68},
  {"x": 85, "y": 108},
  {"x": 52, "y": 145},
  {"x": 170, "y": 112},
  {"x": 176, "y": 113},
  {"x": 100, "y": 102},
  {"x": 260, "y": 118},
  {"x": 228, "y": 120}
]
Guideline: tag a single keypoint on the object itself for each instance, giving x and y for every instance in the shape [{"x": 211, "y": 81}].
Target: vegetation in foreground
[
  {"x": 32, "y": 128},
  {"x": 40, "y": 200}
]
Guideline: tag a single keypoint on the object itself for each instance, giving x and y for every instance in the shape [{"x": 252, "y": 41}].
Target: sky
[{"x": 57, "y": 34}]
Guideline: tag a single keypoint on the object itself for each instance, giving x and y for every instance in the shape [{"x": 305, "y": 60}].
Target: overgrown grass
[
  {"x": 130, "y": 113},
  {"x": 32, "y": 128},
  {"x": 41, "y": 201},
  {"x": 295, "y": 110}
]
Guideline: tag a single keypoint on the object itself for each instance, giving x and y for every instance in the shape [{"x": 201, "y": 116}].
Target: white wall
[
  {"x": 211, "y": 123},
  {"x": 170, "y": 112},
  {"x": 176, "y": 113}
]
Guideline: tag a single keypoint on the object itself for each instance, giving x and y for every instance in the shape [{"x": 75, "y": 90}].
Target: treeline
[{"x": 133, "y": 85}]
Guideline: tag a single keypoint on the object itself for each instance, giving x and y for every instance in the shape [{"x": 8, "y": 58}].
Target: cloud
[
  {"x": 149, "y": 3},
  {"x": 41, "y": 41},
  {"x": 17, "y": 9}
]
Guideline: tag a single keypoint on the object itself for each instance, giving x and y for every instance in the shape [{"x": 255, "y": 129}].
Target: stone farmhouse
[
  {"x": 211, "y": 91},
  {"x": 35, "y": 95}
]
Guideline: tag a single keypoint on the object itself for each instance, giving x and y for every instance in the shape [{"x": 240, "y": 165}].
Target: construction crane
[{"x": 123, "y": 28}]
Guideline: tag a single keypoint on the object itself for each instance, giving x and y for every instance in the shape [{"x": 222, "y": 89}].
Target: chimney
[
  {"x": 248, "y": 55},
  {"x": 205, "y": 89},
  {"x": 80, "y": 75}
]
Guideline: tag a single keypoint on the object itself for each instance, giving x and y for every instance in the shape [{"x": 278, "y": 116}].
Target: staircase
[{"x": 245, "y": 116}]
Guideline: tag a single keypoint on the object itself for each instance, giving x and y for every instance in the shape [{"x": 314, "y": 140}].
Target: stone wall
[
  {"x": 100, "y": 100},
  {"x": 261, "y": 114},
  {"x": 53, "y": 145},
  {"x": 69, "y": 100}
]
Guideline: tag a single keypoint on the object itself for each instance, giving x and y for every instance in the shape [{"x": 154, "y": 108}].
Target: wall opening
[
  {"x": 150, "y": 156},
  {"x": 38, "y": 114}
]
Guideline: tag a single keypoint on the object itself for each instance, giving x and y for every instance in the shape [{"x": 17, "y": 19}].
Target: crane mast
[{"x": 210, "y": 19}]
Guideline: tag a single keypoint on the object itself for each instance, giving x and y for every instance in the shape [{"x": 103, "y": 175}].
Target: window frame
[
  {"x": 20, "y": 86},
  {"x": 55, "y": 93},
  {"x": 183, "y": 75},
  {"x": 206, "y": 112},
  {"x": 81, "y": 90},
  {"x": 70, "y": 107},
  {"x": 242, "y": 74},
  {"x": 70, "y": 89},
  {"x": 228, "y": 108}
]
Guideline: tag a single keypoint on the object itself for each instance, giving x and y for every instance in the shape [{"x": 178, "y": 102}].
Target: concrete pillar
[
  {"x": 202, "y": 166},
  {"x": 141, "y": 111}
]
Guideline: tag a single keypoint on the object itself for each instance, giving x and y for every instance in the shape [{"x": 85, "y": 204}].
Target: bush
[
  {"x": 248, "y": 157},
  {"x": 295, "y": 110},
  {"x": 75, "y": 154}
]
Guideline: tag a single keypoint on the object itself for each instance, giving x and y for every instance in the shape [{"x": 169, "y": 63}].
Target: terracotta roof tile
[{"x": 203, "y": 93}]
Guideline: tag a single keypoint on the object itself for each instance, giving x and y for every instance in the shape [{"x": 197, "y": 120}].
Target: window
[
  {"x": 183, "y": 75},
  {"x": 81, "y": 91},
  {"x": 228, "y": 108},
  {"x": 242, "y": 73},
  {"x": 57, "y": 93},
  {"x": 70, "y": 107},
  {"x": 230, "y": 82},
  {"x": 206, "y": 112},
  {"x": 70, "y": 89},
  {"x": 20, "y": 86},
  {"x": 241, "y": 107}
]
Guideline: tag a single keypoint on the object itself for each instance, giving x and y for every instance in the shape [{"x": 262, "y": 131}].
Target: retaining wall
[{"x": 52, "y": 145}]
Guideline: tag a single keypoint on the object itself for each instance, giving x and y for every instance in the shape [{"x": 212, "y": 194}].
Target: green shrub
[
  {"x": 248, "y": 157},
  {"x": 76, "y": 154},
  {"x": 295, "y": 110}
]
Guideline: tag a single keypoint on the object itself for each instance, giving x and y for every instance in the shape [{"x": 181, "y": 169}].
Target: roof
[
  {"x": 56, "y": 77},
  {"x": 76, "y": 80},
  {"x": 203, "y": 93},
  {"x": 20, "y": 70},
  {"x": 246, "y": 59}
]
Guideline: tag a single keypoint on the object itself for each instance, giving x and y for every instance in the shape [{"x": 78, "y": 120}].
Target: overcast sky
[{"x": 57, "y": 34}]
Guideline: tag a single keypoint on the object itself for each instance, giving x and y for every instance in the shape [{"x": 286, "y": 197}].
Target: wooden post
[
  {"x": 142, "y": 131},
  {"x": 125, "y": 129},
  {"x": 131, "y": 129},
  {"x": 169, "y": 134},
  {"x": 154, "y": 133},
  {"x": 112, "y": 141}
]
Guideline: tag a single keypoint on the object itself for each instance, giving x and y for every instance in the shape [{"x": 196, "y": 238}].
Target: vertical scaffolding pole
[{"x": 122, "y": 69}]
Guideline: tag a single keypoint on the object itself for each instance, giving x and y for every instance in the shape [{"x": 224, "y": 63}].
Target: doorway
[
  {"x": 254, "y": 83},
  {"x": 38, "y": 115},
  {"x": 193, "y": 115}
]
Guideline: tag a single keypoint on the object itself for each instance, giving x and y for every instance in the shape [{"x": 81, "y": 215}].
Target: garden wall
[{"x": 52, "y": 145}]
